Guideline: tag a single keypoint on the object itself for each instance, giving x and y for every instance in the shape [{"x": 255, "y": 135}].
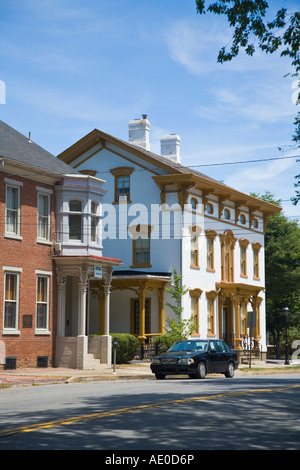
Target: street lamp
[{"x": 286, "y": 314}]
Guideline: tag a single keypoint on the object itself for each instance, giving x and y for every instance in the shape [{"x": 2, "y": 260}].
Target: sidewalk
[{"x": 135, "y": 370}]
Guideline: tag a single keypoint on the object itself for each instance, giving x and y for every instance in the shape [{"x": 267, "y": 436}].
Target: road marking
[{"x": 104, "y": 414}]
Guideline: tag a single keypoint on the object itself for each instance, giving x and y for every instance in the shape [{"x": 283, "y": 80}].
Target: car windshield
[{"x": 189, "y": 346}]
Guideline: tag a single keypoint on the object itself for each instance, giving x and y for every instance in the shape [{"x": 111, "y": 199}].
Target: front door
[{"x": 227, "y": 326}]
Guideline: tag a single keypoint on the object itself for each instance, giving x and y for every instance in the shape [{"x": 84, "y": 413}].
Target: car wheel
[
  {"x": 160, "y": 376},
  {"x": 230, "y": 371},
  {"x": 201, "y": 371}
]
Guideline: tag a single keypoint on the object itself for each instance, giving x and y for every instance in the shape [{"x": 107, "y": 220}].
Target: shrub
[
  {"x": 127, "y": 347},
  {"x": 163, "y": 342}
]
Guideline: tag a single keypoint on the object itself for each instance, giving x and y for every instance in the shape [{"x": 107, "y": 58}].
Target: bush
[
  {"x": 127, "y": 347},
  {"x": 163, "y": 342}
]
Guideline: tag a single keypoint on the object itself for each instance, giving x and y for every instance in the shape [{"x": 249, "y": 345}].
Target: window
[
  {"x": 227, "y": 258},
  {"x": 211, "y": 296},
  {"x": 210, "y": 316},
  {"x": 209, "y": 208},
  {"x": 195, "y": 232},
  {"x": 122, "y": 183},
  {"x": 195, "y": 295},
  {"x": 141, "y": 249},
  {"x": 194, "y": 251},
  {"x": 227, "y": 214},
  {"x": 11, "y": 300},
  {"x": 243, "y": 257},
  {"x": 256, "y": 247},
  {"x": 123, "y": 188},
  {"x": 42, "y": 302},
  {"x": 194, "y": 203},
  {"x": 243, "y": 265},
  {"x": 195, "y": 311},
  {"x": 140, "y": 245},
  {"x": 43, "y": 217},
  {"x": 94, "y": 221},
  {"x": 210, "y": 237},
  {"x": 242, "y": 219},
  {"x": 75, "y": 220},
  {"x": 12, "y": 226}
]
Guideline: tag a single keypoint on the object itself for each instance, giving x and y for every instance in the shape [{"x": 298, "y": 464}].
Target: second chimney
[
  {"x": 139, "y": 132},
  {"x": 170, "y": 147}
]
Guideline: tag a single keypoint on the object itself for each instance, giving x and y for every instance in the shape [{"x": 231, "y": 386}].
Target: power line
[{"x": 245, "y": 161}]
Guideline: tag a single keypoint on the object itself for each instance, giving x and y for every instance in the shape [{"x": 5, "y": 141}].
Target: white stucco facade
[{"x": 223, "y": 266}]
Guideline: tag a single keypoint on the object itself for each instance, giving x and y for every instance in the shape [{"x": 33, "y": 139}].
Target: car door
[
  {"x": 223, "y": 356},
  {"x": 212, "y": 362}
]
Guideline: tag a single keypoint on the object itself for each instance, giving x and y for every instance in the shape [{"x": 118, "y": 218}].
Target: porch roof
[
  {"x": 121, "y": 274},
  {"x": 93, "y": 258}
]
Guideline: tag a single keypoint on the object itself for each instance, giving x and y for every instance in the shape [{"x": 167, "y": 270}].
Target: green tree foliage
[
  {"x": 252, "y": 29},
  {"x": 282, "y": 272},
  {"x": 178, "y": 328}
]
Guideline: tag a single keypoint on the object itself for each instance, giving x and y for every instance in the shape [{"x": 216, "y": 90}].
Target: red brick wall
[{"x": 30, "y": 256}]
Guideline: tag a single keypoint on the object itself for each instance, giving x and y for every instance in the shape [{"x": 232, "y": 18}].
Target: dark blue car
[{"x": 196, "y": 358}]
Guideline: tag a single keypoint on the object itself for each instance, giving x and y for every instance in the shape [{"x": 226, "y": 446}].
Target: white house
[{"x": 159, "y": 215}]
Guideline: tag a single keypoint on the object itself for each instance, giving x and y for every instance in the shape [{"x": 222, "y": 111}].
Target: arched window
[{"x": 227, "y": 256}]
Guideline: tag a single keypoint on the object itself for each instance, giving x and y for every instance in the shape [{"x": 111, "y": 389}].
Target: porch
[
  {"x": 74, "y": 275},
  {"x": 233, "y": 302}
]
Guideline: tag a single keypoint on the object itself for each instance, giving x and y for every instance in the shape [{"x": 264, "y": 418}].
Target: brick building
[{"x": 39, "y": 262}]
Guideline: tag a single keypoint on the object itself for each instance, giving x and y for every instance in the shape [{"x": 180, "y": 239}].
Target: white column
[
  {"x": 106, "y": 289},
  {"x": 82, "y": 305},
  {"x": 61, "y": 308},
  {"x": 106, "y": 338}
]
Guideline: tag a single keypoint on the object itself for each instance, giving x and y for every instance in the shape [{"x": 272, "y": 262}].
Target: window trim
[
  {"x": 94, "y": 219},
  {"x": 243, "y": 242},
  {"x": 195, "y": 295},
  {"x": 119, "y": 172},
  {"x": 210, "y": 298},
  {"x": 256, "y": 246},
  {"x": 16, "y": 272},
  {"x": 142, "y": 229},
  {"x": 227, "y": 238},
  {"x": 45, "y": 275},
  {"x": 15, "y": 185},
  {"x": 75, "y": 213},
  {"x": 210, "y": 236},
  {"x": 195, "y": 231},
  {"x": 45, "y": 193}
]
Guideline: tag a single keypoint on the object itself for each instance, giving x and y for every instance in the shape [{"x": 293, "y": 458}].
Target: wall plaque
[{"x": 27, "y": 321}]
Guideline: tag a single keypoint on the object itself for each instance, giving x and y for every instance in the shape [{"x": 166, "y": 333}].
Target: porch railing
[{"x": 148, "y": 349}]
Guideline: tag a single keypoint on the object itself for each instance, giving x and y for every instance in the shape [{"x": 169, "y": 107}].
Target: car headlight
[
  {"x": 155, "y": 361},
  {"x": 187, "y": 361}
]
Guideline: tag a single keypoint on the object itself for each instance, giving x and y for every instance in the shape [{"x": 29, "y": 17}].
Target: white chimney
[
  {"x": 139, "y": 132},
  {"x": 170, "y": 147}
]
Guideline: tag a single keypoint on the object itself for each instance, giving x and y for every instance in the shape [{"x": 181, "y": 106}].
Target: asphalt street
[{"x": 178, "y": 414}]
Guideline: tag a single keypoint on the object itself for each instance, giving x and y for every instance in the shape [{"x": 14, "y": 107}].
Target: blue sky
[{"x": 71, "y": 66}]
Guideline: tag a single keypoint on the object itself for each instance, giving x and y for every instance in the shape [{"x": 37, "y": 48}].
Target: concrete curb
[{"x": 136, "y": 371}]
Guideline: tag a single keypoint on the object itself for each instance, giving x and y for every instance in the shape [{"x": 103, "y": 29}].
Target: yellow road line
[{"x": 76, "y": 419}]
